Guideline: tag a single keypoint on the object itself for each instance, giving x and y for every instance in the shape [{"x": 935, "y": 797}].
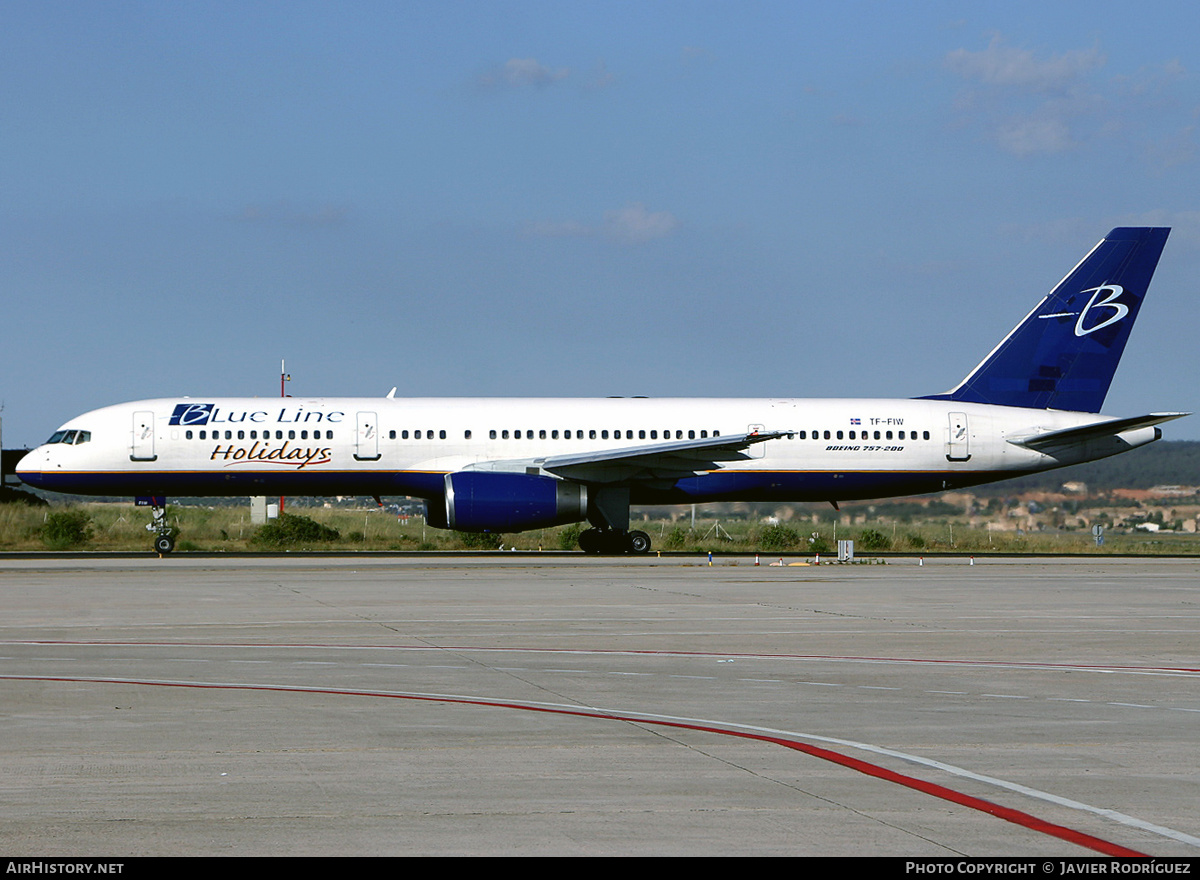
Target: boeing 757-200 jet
[{"x": 509, "y": 465}]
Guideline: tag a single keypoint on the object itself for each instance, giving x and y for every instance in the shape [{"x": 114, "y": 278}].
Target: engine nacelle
[{"x": 486, "y": 501}]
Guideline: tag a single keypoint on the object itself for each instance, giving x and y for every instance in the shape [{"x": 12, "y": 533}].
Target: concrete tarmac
[{"x": 521, "y": 704}]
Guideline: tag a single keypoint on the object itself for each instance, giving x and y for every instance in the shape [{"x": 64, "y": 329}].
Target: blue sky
[{"x": 577, "y": 199}]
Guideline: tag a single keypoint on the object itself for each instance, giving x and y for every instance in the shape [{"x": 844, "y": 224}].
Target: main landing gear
[
  {"x": 164, "y": 537},
  {"x": 608, "y": 511},
  {"x": 614, "y": 541}
]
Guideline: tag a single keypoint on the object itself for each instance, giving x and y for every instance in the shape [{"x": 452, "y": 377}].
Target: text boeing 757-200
[{"x": 505, "y": 465}]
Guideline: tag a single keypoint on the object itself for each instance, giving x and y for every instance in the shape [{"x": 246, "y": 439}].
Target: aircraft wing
[
  {"x": 667, "y": 461},
  {"x": 1093, "y": 431}
]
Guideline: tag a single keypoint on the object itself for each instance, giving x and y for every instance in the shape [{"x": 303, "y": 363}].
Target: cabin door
[
  {"x": 142, "y": 446},
  {"x": 366, "y": 442},
  {"x": 958, "y": 438}
]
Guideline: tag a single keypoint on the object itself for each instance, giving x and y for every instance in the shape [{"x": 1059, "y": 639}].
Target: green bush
[
  {"x": 68, "y": 528},
  {"x": 778, "y": 537},
  {"x": 290, "y": 529},
  {"x": 871, "y": 539},
  {"x": 479, "y": 540},
  {"x": 675, "y": 539},
  {"x": 568, "y": 538}
]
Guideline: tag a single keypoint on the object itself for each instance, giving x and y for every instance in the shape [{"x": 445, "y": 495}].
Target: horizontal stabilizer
[{"x": 1078, "y": 434}]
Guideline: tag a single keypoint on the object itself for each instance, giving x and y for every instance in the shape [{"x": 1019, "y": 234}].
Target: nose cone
[{"x": 31, "y": 469}]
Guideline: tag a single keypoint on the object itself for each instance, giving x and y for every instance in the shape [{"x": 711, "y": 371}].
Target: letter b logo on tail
[{"x": 1119, "y": 310}]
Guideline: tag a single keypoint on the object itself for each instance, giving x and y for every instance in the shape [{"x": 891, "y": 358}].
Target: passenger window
[
  {"x": 542, "y": 434},
  {"x": 187, "y": 434},
  {"x": 466, "y": 435},
  {"x": 491, "y": 435}
]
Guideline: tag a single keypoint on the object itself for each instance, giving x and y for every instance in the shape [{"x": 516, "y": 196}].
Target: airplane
[{"x": 510, "y": 465}]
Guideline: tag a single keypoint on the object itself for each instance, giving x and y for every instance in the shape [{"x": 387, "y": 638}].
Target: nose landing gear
[{"x": 164, "y": 538}]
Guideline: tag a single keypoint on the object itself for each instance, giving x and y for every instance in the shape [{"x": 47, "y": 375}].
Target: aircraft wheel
[
  {"x": 164, "y": 544},
  {"x": 590, "y": 541},
  {"x": 639, "y": 542},
  {"x": 614, "y": 543}
]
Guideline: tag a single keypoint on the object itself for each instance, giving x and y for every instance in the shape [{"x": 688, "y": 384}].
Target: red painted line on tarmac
[{"x": 1017, "y": 817}]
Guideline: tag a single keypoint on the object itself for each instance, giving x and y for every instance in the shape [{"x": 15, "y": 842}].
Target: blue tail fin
[{"x": 1065, "y": 352}]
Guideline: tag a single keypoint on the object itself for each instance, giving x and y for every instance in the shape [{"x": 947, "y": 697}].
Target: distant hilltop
[{"x": 1164, "y": 469}]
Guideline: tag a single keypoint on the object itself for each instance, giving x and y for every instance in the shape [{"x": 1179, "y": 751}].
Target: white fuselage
[{"x": 837, "y": 449}]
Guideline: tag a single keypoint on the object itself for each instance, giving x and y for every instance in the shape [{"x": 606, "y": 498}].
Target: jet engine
[{"x": 479, "y": 501}]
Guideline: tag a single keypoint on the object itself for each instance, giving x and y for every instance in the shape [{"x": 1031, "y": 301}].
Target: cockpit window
[{"x": 70, "y": 437}]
